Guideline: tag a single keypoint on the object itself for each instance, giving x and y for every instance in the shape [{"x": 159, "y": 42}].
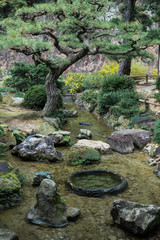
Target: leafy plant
[
  {"x": 106, "y": 100},
  {"x": 156, "y": 136},
  {"x": 1, "y": 131},
  {"x": 90, "y": 97},
  {"x": 137, "y": 68},
  {"x": 128, "y": 104},
  {"x": 8, "y": 89},
  {"x": 74, "y": 82},
  {"x": 111, "y": 83},
  {"x": 18, "y": 135},
  {"x": 35, "y": 97},
  {"x": 109, "y": 68},
  {"x": 22, "y": 76}
]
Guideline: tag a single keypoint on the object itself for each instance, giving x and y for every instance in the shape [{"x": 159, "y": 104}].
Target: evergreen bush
[
  {"x": 22, "y": 76},
  {"x": 128, "y": 104},
  {"x": 156, "y": 136},
  {"x": 35, "y": 97},
  {"x": 106, "y": 100},
  {"x": 90, "y": 96},
  {"x": 158, "y": 83},
  {"x": 111, "y": 83}
]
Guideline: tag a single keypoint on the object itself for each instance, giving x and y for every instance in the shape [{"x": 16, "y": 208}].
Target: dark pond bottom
[{"x": 96, "y": 182}]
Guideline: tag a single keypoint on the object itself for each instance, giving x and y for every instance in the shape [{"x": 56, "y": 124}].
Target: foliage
[
  {"x": 92, "y": 80},
  {"x": 84, "y": 156},
  {"x": 22, "y": 76},
  {"x": 109, "y": 68},
  {"x": 128, "y": 104},
  {"x": 19, "y": 94},
  {"x": 156, "y": 136},
  {"x": 35, "y": 97},
  {"x": 158, "y": 83},
  {"x": 1, "y": 131},
  {"x": 76, "y": 29},
  {"x": 74, "y": 82},
  {"x": 111, "y": 83},
  {"x": 137, "y": 68},
  {"x": 8, "y": 7},
  {"x": 157, "y": 96},
  {"x": 106, "y": 100},
  {"x": 18, "y": 135},
  {"x": 90, "y": 96},
  {"x": 8, "y": 89}
]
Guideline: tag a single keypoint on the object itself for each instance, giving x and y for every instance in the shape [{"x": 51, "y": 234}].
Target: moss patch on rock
[
  {"x": 10, "y": 187},
  {"x": 83, "y": 156}
]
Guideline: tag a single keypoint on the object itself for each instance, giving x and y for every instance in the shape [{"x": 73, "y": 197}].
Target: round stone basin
[{"x": 96, "y": 182}]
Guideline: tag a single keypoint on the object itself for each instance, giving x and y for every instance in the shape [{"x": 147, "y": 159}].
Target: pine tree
[{"x": 74, "y": 29}]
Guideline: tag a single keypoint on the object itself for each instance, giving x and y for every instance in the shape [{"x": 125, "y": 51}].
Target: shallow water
[
  {"x": 95, "y": 221},
  {"x": 96, "y": 181}
]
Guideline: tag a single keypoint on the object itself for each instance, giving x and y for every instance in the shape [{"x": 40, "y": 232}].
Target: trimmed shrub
[
  {"x": 158, "y": 83},
  {"x": 106, "y": 100},
  {"x": 22, "y": 76},
  {"x": 157, "y": 96},
  {"x": 111, "y": 83},
  {"x": 128, "y": 104},
  {"x": 35, "y": 97},
  {"x": 156, "y": 136}
]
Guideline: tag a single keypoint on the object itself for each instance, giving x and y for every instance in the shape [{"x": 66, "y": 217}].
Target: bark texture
[
  {"x": 52, "y": 94},
  {"x": 128, "y": 15}
]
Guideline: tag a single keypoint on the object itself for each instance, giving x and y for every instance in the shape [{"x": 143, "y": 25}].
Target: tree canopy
[{"x": 68, "y": 30}]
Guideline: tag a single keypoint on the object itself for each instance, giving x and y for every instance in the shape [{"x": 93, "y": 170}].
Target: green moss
[{"x": 83, "y": 156}]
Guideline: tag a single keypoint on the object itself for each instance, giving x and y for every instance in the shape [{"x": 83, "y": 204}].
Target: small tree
[{"x": 68, "y": 30}]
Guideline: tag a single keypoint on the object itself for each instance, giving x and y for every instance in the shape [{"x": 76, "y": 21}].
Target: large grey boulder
[
  {"x": 137, "y": 218},
  {"x": 37, "y": 148},
  {"x": 50, "y": 208},
  {"x": 121, "y": 144},
  {"x": 6, "y": 234},
  {"x": 124, "y": 140}
]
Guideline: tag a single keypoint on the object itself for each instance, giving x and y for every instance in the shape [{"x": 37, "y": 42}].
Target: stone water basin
[{"x": 96, "y": 182}]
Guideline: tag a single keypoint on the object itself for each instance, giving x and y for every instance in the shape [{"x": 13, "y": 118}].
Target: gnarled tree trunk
[
  {"x": 129, "y": 15},
  {"x": 124, "y": 67},
  {"x": 52, "y": 94}
]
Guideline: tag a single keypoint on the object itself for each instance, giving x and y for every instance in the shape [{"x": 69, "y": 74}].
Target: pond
[{"x": 95, "y": 221}]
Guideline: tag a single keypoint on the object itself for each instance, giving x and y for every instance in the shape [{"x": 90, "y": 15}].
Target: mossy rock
[
  {"x": 46, "y": 128},
  {"x": 83, "y": 156},
  {"x": 8, "y": 139},
  {"x": 10, "y": 187}
]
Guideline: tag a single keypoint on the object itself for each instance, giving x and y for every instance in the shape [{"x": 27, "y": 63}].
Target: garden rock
[
  {"x": 54, "y": 122},
  {"x": 137, "y": 218},
  {"x": 46, "y": 128},
  {"x": 9, "y": 185},
  {"x": 121, "y": 144},
  {"x": 8, "y": 139},
  {"x": 102, "y": 147},
  {"x": 39, "y": 176},
  {"x": 82, "y": 155},
  {"x": 60, "y": 138},
  {"x": 6, "y": 234},
  {"x": 84, "y": 134},
  {"x": 140, "y": 137},
  {"x": 85, "y": 123},
  {"x": 17, "y": 101},
  {"x": 72, "y": 213},
  {"x": 70, "y": 113},
  {"x": 37, "y": 148},
  {"x": 49, "y": 209}
]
